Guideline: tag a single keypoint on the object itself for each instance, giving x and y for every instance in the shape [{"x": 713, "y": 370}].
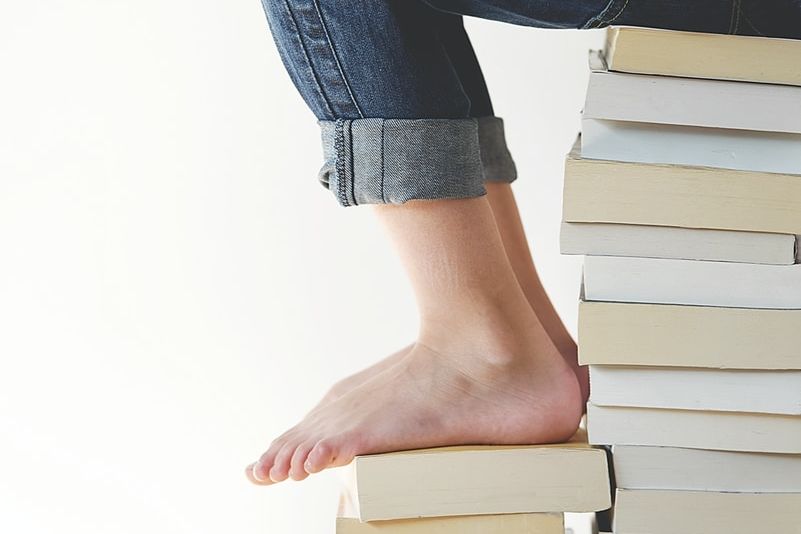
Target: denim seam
[
  {"x": 731, "y": 19},
  {"x": 613, "y": 19},
  {"x": 336, "y": 58},
  {"x": 339, "y": 161},
  {"x": 597, "y": 20},
  {"x": 751, "y": 24},
  {"x": 383, "y": 193},
  {"x": 308, "y": 62}
]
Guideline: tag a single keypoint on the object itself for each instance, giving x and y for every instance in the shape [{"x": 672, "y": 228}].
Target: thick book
[
  {"x": 347, "y": 523},
  {"x": 681, "y": 101},
  {"x": 667, "y": 144},
  {"x": 699, "y": 283},
  {"x": 694, "y": 429},
  {"x": 672, "y": 468},
  {"x": 604, "y": 239},
  {"x": 612, "y": 333},
  {"x": 698, "y": 512},
  {"x": 481, "y": 480},
  {"x": 674, "y": 195},
  {"x": 703, "y": 55},
  {"x": 681, "y": 388}
]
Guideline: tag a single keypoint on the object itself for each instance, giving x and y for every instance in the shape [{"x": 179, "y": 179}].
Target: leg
[
  {"x": 507, "y": 217},
  {"x": 493, "y": 359},
  {"x": 499, "y": 171},
  {"x": 483, "y": 370}
]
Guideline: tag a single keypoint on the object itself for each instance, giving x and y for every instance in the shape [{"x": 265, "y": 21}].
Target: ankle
[{"x": 497, "y": 333}]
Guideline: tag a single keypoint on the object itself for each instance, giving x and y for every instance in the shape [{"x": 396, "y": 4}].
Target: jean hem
[{"x": 392, "y": 161}]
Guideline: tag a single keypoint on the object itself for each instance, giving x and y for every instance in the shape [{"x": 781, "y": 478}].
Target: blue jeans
[{"x": 401, "y": 101}]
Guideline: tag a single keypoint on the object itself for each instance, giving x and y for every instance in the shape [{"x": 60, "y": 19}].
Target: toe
[
  {"x": 297, "y": 471},
  {"x": 250, "y": 474},
  {"x": 262, "y": 469},
  {"x": 280, "y": 469},
  {"x": 266, "y": 461},
  {"x": 321, "y": 456}
]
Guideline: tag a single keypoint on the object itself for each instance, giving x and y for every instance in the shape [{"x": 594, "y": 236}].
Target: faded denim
[{"x": 399, "y": 95}]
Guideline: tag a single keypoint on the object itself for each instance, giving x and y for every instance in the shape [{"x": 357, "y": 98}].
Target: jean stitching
[
  {"x": 317, "y": 84},
  {"x": 352, "y": 199},
  {"x": 739, "y": 12},
  {"x": 339, "y": 161},
  {"x": 596, "y": 21},
  {"x": 336, "y": 58},
  {"x": 383, "y": 193},
  {"x": 751, "y": 24},
  {"x": 731, "y": 19},
  {"x": 613, "y": 19}
]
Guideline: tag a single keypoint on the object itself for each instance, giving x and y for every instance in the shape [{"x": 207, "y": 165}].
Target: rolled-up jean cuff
[
  {"x": 392, "y": 161},
  {"x": 496, "y": 161}
]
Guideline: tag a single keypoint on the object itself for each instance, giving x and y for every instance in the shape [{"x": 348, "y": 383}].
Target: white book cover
[
  {"x": 689, "y": 145},
  {"x": 694, "y": 429},
  {"x": 693, "y": 102},
  {"x": 700, "y": 512},
  {"x": 729, "y": 390},
  {"x": 701, "y": 283},
  {"x": 604, "y": 239},
  {"x": 673, "y": 468}
]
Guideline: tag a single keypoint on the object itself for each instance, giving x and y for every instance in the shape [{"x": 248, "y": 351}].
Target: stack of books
[
  {"x": 684, "y": 194},
  {"x": 474, "y": 489}
]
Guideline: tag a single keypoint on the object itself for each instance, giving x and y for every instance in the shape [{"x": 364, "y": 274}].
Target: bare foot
[
  {"x": 484, "y": 370},
  {"x": 432, "y": 398},
  {"x": 356, "y": 379}
]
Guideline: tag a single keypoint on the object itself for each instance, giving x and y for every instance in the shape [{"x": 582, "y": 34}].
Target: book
[
  {"x": 699, "y": 283},
  {"x": 611, "y": 333},
  {"x": 672, "y": 468},
  {"x": 604, "y": 239},
  {"x": 694, "y": 429},
  {"x": 674, "y": 195},
  {"x": 700, "y": 512},
  {"x": 667, "y": 144},
  {"x": 481, "y": 480},
  {"x": 347, "y": 522},
  {"x": 703, "y": 55},
  {"x": 692, "y": 102},
  {"x": 475, "y": 524},
  {"x": 777, "y": 392}
]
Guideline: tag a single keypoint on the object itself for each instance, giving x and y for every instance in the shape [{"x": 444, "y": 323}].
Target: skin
[{"x": 492, "y": 364}]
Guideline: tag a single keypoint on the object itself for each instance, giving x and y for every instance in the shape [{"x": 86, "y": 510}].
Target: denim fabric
[{"x": 399, "y": 95}]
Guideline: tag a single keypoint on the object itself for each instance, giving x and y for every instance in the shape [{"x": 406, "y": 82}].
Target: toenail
[{"x": 256, "y": 472}]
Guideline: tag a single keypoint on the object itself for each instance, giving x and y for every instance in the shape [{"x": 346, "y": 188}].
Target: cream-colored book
[
  {"x": 348, "y": 523},
  {"x": 694, "y": 429},
  {"x": 703, "y": 55},
  {"x": 614, "y": 333},
  {"x": 599, "y": 191},
  {"x": 481, "y": 480},
  {"x": 701, "y": 512}
]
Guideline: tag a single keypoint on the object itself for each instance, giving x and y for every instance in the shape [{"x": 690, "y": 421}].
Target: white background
[{"x": 176, "y": 289}]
